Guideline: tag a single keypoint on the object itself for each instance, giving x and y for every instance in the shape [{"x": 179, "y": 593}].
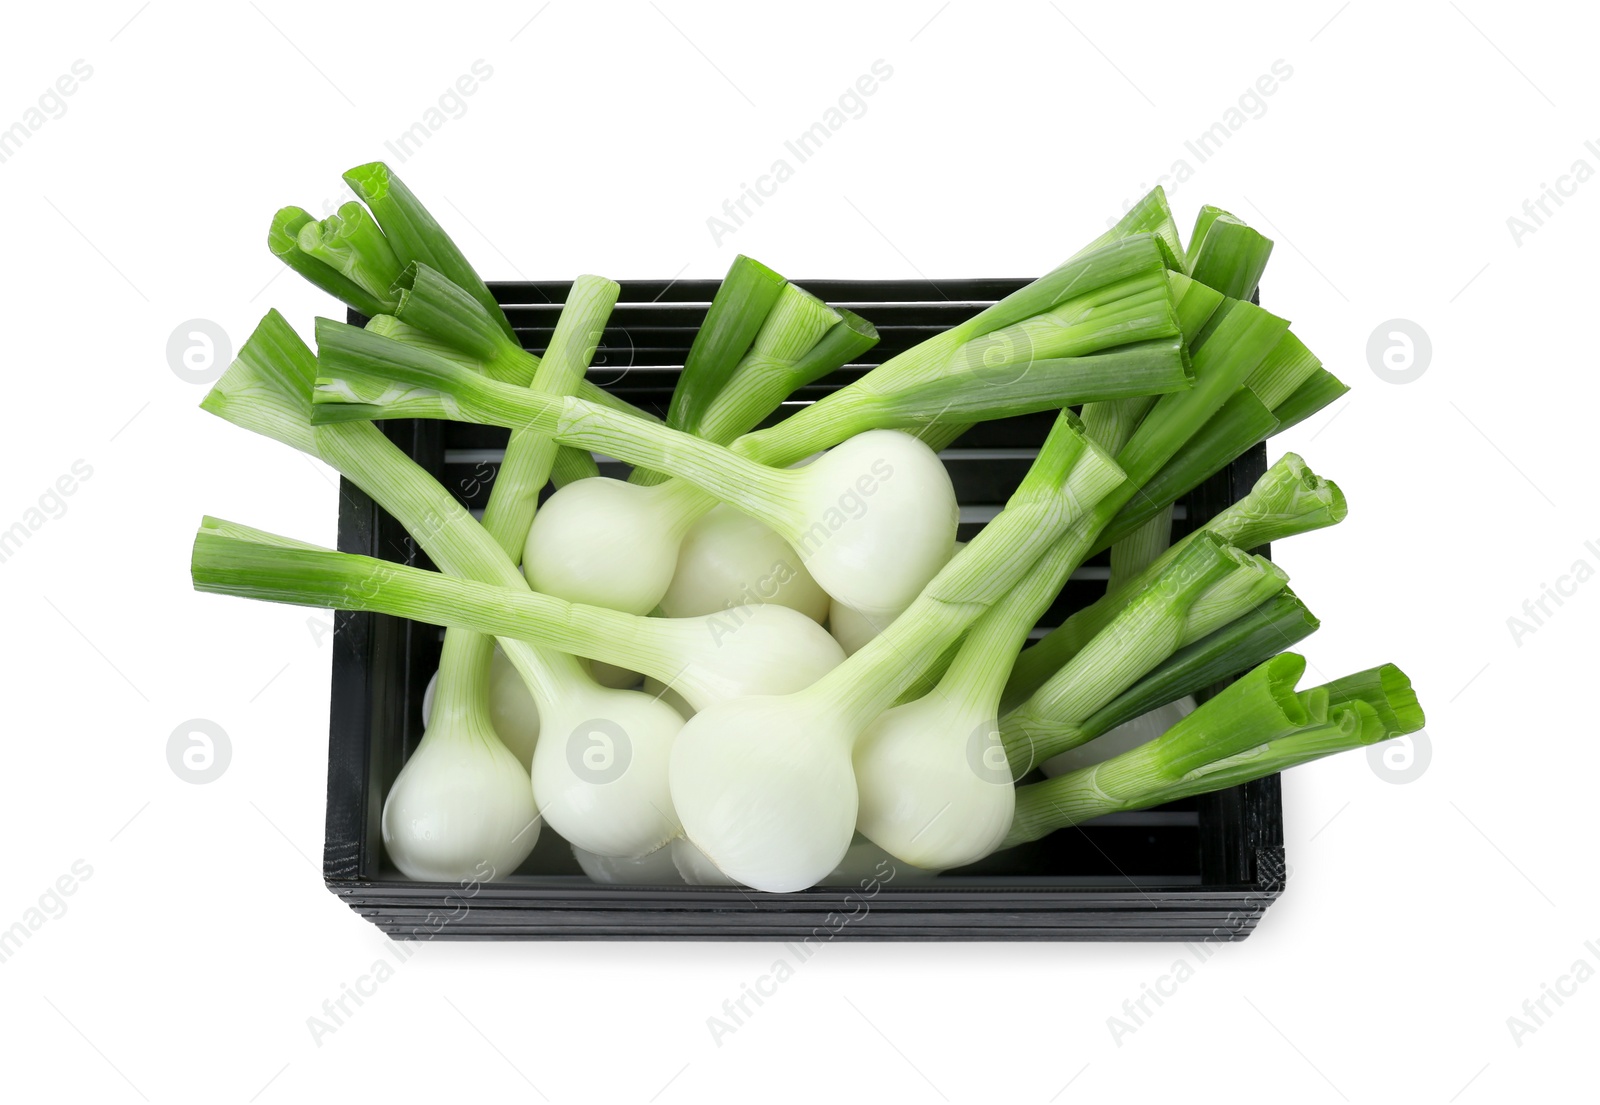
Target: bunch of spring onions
[{"x": 764, "y": 658}]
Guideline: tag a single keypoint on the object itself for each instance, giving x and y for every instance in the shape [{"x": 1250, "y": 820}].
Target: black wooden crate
[{"x": 1203, "y": 868}]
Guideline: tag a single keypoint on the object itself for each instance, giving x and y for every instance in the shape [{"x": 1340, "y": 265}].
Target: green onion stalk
[
  {"x": 338, "y": 255},
  {"x": 762, "y": 339},
  {"x": 424, "y": 281},
  {"x": 456, "y": 324},
  {"x": 345, "y": 254},
  {"x": 480, "y": 806},
  {"x": 367, "y": 251},
  {"x": 1229, "y": 339},
  {"x": 361, "y": 258},
  {"x": 1279, "y": 623},
  {"x": 1151, "y": 216},
  {"x": 1321, "y": 389},
  {"x": 1150, "y": 437},
  {"x": 738, "y": 313},
  {"x": 391, "y": 327},
  {"x": 1385, "y": 707},
  {"x": 779, "y": 650},
  {"x": 1227, "y": 256},
  {"x": 1288, "y": 499},
  {"x": 1230, "y": 257},
  {"x": 1257, "y": 726},
  {"x": 1137, "y": 551},
  {"x": 801, "y": 338},
  {"x": 1101, "y": 326},
  {"x": 1139, "y": 529},
  {"x": 767, "y": 376},
  {"x": 1205, "y": 586},
  {"x": 464, "y": 662},
  {"x": 1250, "y": 416},
  {"x": 723, "y": 557}
]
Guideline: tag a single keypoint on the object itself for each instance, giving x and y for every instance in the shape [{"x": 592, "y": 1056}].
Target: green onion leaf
[
  {"x": 738, "y": 310},
  {"x": 283, "y": 239},
  {"x": 1227, "y": 255},
  {"x": 415, "y": 235}
]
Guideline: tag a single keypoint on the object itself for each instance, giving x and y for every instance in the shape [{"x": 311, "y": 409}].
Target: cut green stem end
[
  {"x": 1255, "y": 727},
  {"x": 415, "y": 235},
  {"x": 351, "y": 242},
  {"x": 283, "y": 239},
  {"x": 1288, "y": 499}
]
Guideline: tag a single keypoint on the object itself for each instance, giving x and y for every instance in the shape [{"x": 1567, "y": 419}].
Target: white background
[{"x": 1419, "y": 916}]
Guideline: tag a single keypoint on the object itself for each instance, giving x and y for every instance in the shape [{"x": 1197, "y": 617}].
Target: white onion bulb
[
  {"x": 600, "y": 771},
  {"x": 730, "y": 559},
  {"x": 748, "y": 650},
  {"x": 866, "y": 863},
  {"x": 872, "y": 520},
  {"x": 933, "y": 782},
  {"x": 461, "y": 801},
  {"x": 655, "y": 869},
  {"x": 770, "y": 798},
  {"x": 607, "y": 543},
  {"x": 693, "y": 867},
  {"x": 875, "y": 520},
  {"x": 853, "y": 629}
]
